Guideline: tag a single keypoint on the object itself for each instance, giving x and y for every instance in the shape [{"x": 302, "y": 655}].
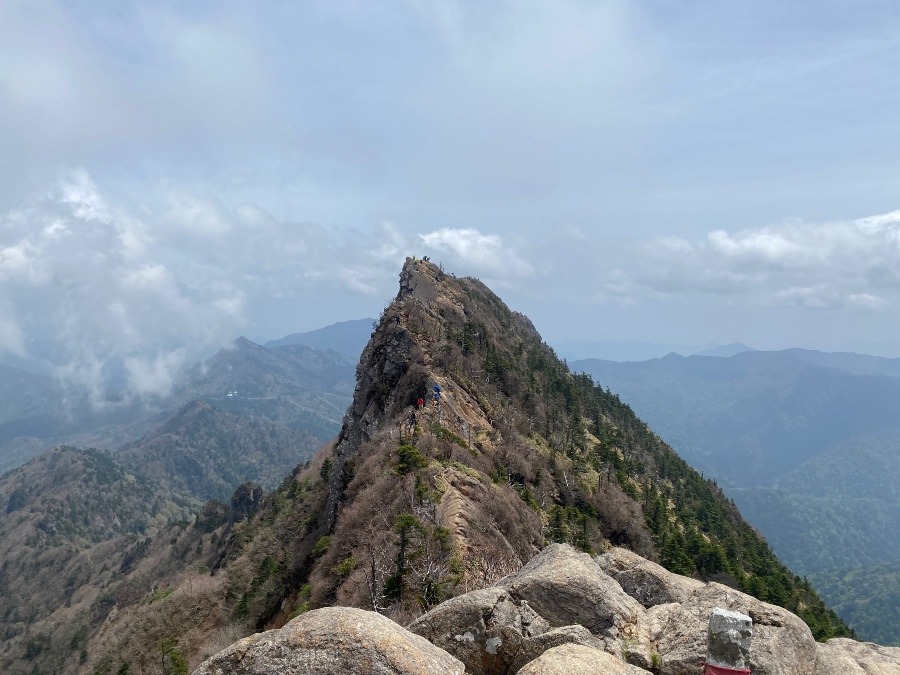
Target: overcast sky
[{"x": 173, "y": 175}]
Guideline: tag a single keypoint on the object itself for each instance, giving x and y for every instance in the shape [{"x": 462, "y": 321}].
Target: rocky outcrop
[
  {"x": 782, "y": 642},
  {"x": 560, "y": 597},
  {"x": 333, "y": 640},
  {"x": 563, "y": 612},
  {"x": 491, "y": 632},
  {"x": 567, "y": 587},
  {"x": 246, "y": 501},
  {"x": 578, "y": 660},
  {"x": 645, "y": 581},
  {"x": 849, "y": 657}
]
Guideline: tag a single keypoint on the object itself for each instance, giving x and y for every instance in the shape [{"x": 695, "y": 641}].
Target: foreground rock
[
  {"x": 578, "y": 660},
  {"x": 491, "y": 632},
  {"x": 645, "y": 581},
  {"x": 566, "y": 586},
  {"x": 782, "y": 642},
  {"x": 333, "y": 640},
  {"x": 563, "y": 612},
  {"x": 849, "y": 657},
  {"x": 560, "y": 597}
]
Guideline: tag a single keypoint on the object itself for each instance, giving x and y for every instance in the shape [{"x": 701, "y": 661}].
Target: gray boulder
[
  {"x": 645, "y": 581},
  {"x": 572, "y": 659},
  {"x": 567, "y": 587},
  {"x": 333, "y": 640},
  {"x": 840, "y": 656},
  {"x": 490, "y": 632},
  {"x": 782, "y": 643}
]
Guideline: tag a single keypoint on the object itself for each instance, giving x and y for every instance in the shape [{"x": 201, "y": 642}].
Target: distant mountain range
[
  {"x": 303, "y": 388},
  {"x": 726, "y": 350},
  {"x": 345, "y": 337},
  {"x": 807, "y": 443},
  {"x": 84, "y": 530},
  {"x": 636, "y": 350}
]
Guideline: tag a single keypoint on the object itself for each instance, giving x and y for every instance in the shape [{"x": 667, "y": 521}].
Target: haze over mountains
[
  {"x": 398, "y": 515},
  {"x": 807, "y": 443},
  {"x": 76, "y": 524},
  {"x": 302, "y": 388}
]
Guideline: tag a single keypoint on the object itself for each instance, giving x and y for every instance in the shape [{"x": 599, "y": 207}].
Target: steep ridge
[
  {"x": 519, "y": 452},
  {"x": 403, "y": 513}
]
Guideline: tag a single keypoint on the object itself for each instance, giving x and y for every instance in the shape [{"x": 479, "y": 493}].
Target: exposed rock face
[
  {"x": 382, "y": 364},
  {"x": 333, "y": 640},
  {"x": 246, "y": 500},
  {"x": 561, "y": 613},
  {"x": 645, "y": 581},
  {"x": 561, "y": 596},
  {"x": 782, "y": 643},
  {"x": 491, "y": 632},
  {"x": 567, "y": 587},
  {"x": 849, "y": 657},
  {"x": 578, "y": 660}
]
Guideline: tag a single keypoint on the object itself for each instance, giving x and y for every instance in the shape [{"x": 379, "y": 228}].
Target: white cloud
[
  {"x": 822, "y": 296},
  {"x": 85, "y": 276},
  {"x": 833, "y": 265},
  {"x": 198, "y": 217},
  {"x": 115, "y": 295},
  {"x": 11, "y": 338},
  {"x": 154, "y": 375},
  {"x": 476, "y": 253},
  {"x": 761, "y": 246},
  {"x": 866, "y": 301}
]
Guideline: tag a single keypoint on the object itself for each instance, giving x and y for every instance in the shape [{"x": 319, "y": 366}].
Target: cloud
[
  {"x": 477, "y": 253},
  {"x": 154, "y": 375},
  {"x": 832, "y": 265},
  {"x": 11, "y": 338},
  {"x": 110, "y": 296},
  {"x": 88, "y": 279}
]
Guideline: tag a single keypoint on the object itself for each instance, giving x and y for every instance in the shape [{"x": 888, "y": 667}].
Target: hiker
[
  {"x": 412, "y": 418},
  {"x": 420, "y": 403}
]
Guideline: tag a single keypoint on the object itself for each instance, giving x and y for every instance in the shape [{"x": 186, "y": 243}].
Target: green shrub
[{"x": 409, "y": 459}]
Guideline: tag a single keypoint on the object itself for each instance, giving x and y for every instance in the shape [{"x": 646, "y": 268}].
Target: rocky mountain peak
[
  {"x": 420, "y": 351},
  {"x": 429, "y": 496}
]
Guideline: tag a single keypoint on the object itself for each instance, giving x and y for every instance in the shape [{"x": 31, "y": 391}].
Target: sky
[{"x": 176, "y": 174}]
